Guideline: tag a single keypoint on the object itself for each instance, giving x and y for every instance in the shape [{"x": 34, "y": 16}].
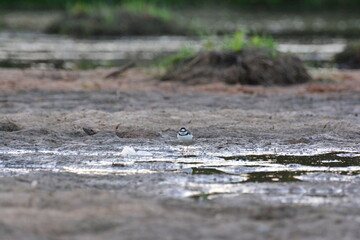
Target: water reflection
[{"x": 23, "y": 50}]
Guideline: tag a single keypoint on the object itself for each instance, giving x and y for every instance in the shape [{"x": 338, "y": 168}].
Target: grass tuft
[
  {"x": 141, "y": 7},
  {"x": 184, "y": 53},
  {"x": 235, "y": 42}
]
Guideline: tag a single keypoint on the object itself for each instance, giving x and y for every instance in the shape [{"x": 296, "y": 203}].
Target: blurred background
[{"x": 78, "y": 34}]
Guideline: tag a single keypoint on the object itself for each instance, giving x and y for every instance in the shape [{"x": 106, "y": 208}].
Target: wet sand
[{"x": 51, "y": 108}]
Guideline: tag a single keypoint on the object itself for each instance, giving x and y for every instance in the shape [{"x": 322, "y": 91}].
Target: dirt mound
[
  {"x": 122, "y": 23},
  {"x": 349, "y": 58},
  {"x": 249, "y": 66}
]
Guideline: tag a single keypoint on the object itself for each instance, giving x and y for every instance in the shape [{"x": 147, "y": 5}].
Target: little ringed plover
[{"x": 184, "y": 136}]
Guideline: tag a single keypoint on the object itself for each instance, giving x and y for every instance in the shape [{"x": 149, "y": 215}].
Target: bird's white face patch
[{"x": 183, "y": 130}]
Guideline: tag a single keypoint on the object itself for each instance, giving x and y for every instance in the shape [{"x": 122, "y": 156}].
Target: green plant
[
  {"x": 103, "y": 11},
  {"x": 262, "y": 42},
  {"x": 78, "y": 8},
  {"x": 184, "y": 53},
  {"x": 236, "y": 42},
  {"x": 141, "y": 7}
]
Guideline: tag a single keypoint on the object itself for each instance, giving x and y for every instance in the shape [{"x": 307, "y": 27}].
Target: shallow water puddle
[
  {"x": 203, "y": 176},
  {"x": 52, "y": 51},
  {"x": 268, "y": 168}
]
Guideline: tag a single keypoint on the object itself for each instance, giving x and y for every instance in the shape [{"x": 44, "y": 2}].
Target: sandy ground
[{"x": 49, "y": 109}]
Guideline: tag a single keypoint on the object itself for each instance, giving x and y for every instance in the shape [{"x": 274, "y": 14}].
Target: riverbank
[{"x": 60, "y": 182}]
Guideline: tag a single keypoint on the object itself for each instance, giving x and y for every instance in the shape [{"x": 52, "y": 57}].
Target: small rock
[{"x": 89, "y": 131}]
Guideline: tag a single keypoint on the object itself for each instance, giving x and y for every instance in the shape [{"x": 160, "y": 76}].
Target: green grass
[
  {"x": 184, "y": 53},
  {"x": 82, "y": 8},
  {"x": 104, "y": 9},
  {"x": 105, "y": 12},
  {"x": 262, "y": 42},
  {"x": 240, "y": 40},
  {"x": 141, "y": 7},
  {"x": 235, "y": 42}
]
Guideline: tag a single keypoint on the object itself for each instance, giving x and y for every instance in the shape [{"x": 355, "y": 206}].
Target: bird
[{"x": 184, "y": 136}]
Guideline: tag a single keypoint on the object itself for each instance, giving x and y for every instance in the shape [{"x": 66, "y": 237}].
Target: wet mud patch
[
  {"x": 196, "y": 176},
  {"x": 122, "y": 191},
  {"x": 248, "y": 66}
]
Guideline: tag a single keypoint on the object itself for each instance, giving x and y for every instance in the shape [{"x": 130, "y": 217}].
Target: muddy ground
[{"x": 47, "y": 110}]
